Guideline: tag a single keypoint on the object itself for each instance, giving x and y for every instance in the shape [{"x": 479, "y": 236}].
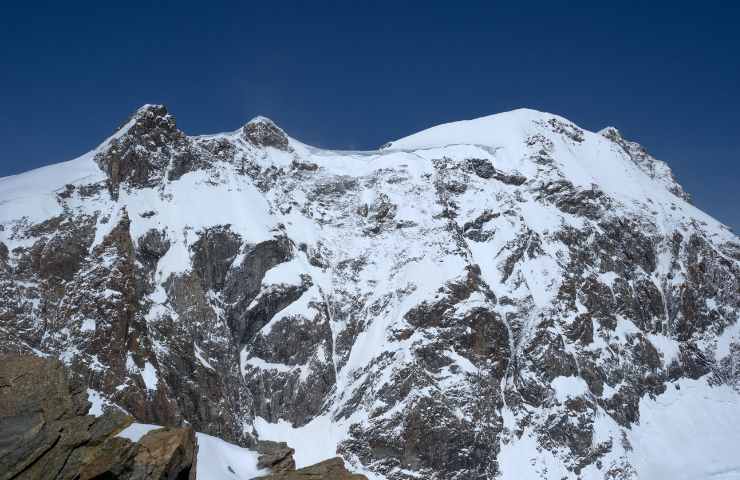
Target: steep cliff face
[{"x": 506, "y": 297}]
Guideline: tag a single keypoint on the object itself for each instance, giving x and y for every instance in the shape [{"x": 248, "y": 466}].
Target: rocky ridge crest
[{"x": 484, "y": 291}]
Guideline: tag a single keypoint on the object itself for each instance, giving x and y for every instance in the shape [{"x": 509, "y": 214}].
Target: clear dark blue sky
[{"x": 357, "y": 74}]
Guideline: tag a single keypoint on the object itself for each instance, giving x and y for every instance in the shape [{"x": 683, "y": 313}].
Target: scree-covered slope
[{"x": 510, "y": 297}]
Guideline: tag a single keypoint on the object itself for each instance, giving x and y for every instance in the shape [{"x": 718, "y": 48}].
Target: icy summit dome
[{"x": 490, "y": 130}]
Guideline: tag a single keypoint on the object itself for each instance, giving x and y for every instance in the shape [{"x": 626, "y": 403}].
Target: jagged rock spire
[{"x": 140, "y": 152}]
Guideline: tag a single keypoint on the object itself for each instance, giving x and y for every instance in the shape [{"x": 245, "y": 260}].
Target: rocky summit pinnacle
[
  {"x": 506, "y": 297},
  {"x": 261, "y": 131}
]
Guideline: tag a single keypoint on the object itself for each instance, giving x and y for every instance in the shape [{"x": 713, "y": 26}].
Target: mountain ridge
[{"x": 495, "y": 298}]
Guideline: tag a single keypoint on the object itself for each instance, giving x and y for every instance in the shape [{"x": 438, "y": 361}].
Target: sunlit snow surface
[
  {"x": 692, "y": 431},
  {"x": 220, "y": 460}
]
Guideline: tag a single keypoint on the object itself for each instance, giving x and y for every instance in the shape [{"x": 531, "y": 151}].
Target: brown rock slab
[
  {"x": 167, "y": 453},
  {"x": 332, "y": 469},
  {"x": 46, "y": 434},
  {"x": 277, "y": 456}
]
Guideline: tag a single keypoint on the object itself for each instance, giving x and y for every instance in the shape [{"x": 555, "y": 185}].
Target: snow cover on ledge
[{"x": 217, "y": 459}]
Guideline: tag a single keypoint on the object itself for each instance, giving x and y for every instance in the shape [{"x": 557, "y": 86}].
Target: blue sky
[{"x": 358, "y": 74}]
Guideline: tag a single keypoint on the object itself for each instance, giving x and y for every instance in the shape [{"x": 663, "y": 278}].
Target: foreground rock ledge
[
  {"x": 45, "y": 432},
  {"x": 332, "y": 469}
]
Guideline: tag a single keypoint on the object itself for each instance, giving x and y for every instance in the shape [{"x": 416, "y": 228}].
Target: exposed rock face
[
  {"x": 276, "y": 456},
  {"x": 332, "y": 469},
  {"x": 141, "y": 152},
  {"x": 262, "y": 132},
  {"x": 167, "y": 453},
  {"x": 45, "y": 432},
  {"x": 512, "y": 287}
]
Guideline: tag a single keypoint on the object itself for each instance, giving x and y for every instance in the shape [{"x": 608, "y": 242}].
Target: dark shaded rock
[
  {"x": 335, "y": 186},
  {"x": 526, "y": 245},
  {"x": 150, "y": 147},
  {"x": 485, "y": 169},
  {"x": 91, "y": 190},
  {"x": 380, "y": 215},
  {"x": 277, "y": 456},
  {"x": 488, "y": 340},
  {"x": 303, "y": 345},
  {"x": 482, "y": 219},
  {"x": 623, "y": 406},
  {"x": 709, "y": 276},
  {"x": 213, "y": 254},
  {"x": 267, "y": 305},
  {"x": 566, "y": 129},
  {"x": 210, "y": 395},
  {"x": 3, "y": 253},
  {"x": 625, "y": 245},
  {"x": 474, "y": 230},
  {"x": 244, "y": 282},
  {"x": 590, "y": 203},
  {"x": 220, "y": 148},
  {"x": 547, "y": 352},
  {"x": 109, "y": 424},
  {"x": 305, "y": 166},
  {"x": 581, "y": 329},
  {"x": 153, "y": 245},
  {"x": 455, "y": 187},
  {"x": 727, "y": 370},
  {"x": 427, "y": 438},
  {"x": 262, "y": 132},
  {"x": 482, "y": 167},
  {"x": 59, "y": 255}
]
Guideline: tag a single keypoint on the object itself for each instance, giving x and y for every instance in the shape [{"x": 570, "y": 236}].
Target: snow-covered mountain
[{"x": 509, "y": 297}]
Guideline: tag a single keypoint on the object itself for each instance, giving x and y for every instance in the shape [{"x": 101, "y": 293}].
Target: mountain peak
[
  {"x": 151, "y": 108},
  {"x": 142, "y": 120},
  {"x": 262, "y": 119},
  {"x": 487, "y": 130},
  {"x": 140, "y": 150},
  {"x": 263, "y": 132},
  {"x": 513, "y": 286}
]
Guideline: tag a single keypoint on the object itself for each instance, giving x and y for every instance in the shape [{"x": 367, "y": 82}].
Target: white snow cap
[{"x": 478, "y": 131}]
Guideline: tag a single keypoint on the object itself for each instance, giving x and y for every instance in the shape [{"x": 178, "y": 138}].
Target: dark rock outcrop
[
  {"x": 148, "y": 148},
  {"x": 243, "y": 285},
  {"x": 263, "y": 132},
  {"x": 277, "y": 456},
  {"x": 332, "y": 469},
  {"x": 45, "y": 432}
]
